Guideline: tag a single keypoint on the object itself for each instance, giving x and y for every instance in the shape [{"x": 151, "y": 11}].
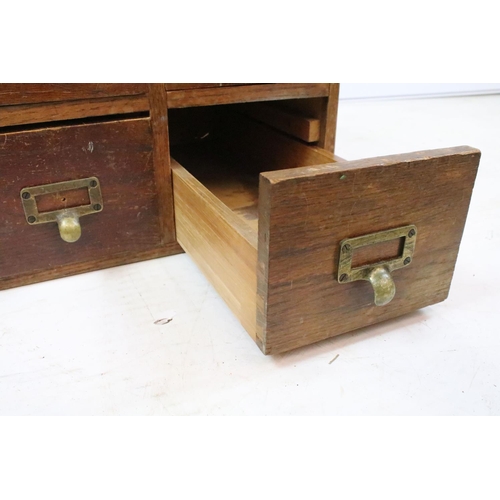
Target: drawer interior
[
  {"x": 225, "y": 151},
  {"x": 217, "y": 156},
  {"x": 264, "y": 215}
]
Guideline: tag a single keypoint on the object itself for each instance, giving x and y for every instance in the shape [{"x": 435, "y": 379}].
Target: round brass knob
[
  {"x": 69, "y": 228},
  {"x": 383, "y": 285}
]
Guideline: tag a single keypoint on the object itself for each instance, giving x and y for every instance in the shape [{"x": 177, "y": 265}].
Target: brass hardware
[
  {"x": 379, "y": 274},
  {"x": 68, "y": 219},
  {"x": 383, "y": 285},
  {"x": 69, "y": 227}
]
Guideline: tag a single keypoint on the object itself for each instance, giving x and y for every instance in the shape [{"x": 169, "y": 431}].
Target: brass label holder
[
  {"x": 68, "y": 218},
  {"x": 379, "y": 274}
]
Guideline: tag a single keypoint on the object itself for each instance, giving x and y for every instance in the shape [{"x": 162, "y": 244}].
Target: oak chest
[{"x": 301, "y": 244}]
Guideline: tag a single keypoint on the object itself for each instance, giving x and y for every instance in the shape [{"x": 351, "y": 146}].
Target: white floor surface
[{"x": 90, "y": 344}]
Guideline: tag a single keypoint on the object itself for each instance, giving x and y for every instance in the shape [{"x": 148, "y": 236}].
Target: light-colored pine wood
[
  {"x": 291, "y": 122},
  {"x": 220, "y": 242}
]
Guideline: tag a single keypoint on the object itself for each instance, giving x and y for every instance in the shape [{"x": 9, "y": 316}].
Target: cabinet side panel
[{"x": 329, "y": 119}]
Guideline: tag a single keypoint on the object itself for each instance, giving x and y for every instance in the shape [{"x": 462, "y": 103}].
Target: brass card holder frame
[
  {"x": 68, "y": 219},
  {"x": 378, "y": 274}
]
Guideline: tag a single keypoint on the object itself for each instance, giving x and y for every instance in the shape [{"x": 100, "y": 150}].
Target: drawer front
[
  {"x": 30, "y": 93},
  {"x": 118, "y": 155},
  {"x": 307, "y": 286}
]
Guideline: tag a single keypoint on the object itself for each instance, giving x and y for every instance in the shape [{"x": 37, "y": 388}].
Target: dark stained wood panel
[
  {"x": 250, "y": 93},
  {"x": 161, "y": 157},
  {"x": 120, "y": 154},
  {"x": 57, "y": 111},
  {"x": 29, "y": 93},
  {"x": 105, "y": 262},
  {"x": 330, "y": 111},
  {"x": 185, "y": 86},
  {"x": 305, "y": 213}
]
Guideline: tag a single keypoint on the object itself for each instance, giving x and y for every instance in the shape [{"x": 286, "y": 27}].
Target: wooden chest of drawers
[{"x": 302, "y": 245}]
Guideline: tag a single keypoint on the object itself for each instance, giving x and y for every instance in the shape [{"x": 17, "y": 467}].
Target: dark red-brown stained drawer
[{"x": 115, "y": 157}]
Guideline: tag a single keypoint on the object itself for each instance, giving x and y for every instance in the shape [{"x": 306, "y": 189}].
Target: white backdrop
[{"x": 388, "y": 90}]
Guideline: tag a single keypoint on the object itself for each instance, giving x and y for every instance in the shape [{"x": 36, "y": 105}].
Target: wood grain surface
[
  {"x": 227, "y": 155},
  {"x": 329, "y": 118},
  {"x": 216, "y": 197},
  {"x": 305, "y": 213},
  {"x": 161, "y": 156},
  {"x": 261, "y": 148},
  {"x": 222, "y": 245},
  {"x": 29, "y": 93},
  {"x": 250, "y": 93},
  {"x": 120, "y": 154},
  {"x": 56, "y": 111},
  {"x": 291, "y": 122},
  {"x": 186, "y": 86},
  {"x": 104, "y": 262}
]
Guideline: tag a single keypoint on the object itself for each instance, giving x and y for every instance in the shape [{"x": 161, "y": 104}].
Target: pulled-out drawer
[
  {"x": 303, "y": 247},
  {"x": 76, "y": 198}
]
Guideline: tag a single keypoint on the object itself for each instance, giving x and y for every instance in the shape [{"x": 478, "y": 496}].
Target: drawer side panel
[{"x": 223, "y": 246}]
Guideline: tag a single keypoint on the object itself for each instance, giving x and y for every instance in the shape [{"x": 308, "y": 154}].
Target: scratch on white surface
[
  {"x": 163, "y": 321},
  {"x": 474, "y": 376},
  {"x": 168, "y": 316},
  {"x": 334, "y": 359}
]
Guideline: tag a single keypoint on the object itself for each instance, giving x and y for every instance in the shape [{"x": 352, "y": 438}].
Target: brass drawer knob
[
  {"x": 67, "y": 219},
  {"x": 379, "y": 275},
  {"x": 383, "y": 285},
  {"x": 69, "y": 227}
]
